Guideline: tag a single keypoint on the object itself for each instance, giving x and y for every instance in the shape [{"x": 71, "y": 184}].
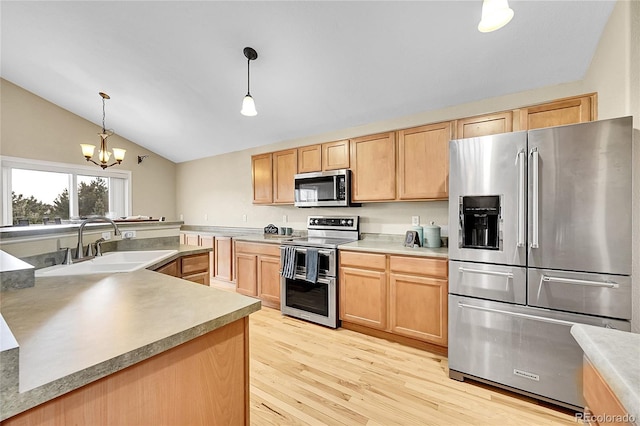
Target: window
[{"x": 37, "y": 192}]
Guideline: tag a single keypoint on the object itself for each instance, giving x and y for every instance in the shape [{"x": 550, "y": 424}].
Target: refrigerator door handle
[
  {"x": 518, "y": 314},
  {"x": 588, "y": 283},
  {"x": 534, "y": 198},
  {"x": 482, "y": 272},
  {"x": 522, "y": 190}
]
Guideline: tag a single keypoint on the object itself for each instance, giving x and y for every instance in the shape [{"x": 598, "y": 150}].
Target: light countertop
[
  {"x": 392, "y": 244},
  {"x": 268, "y": 239},
  {"x": 73, "y": 330},
  {"x": 616, "y": 356}
]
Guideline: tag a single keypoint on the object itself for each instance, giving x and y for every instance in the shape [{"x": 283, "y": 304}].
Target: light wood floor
[{"x": 302, "y": 373}]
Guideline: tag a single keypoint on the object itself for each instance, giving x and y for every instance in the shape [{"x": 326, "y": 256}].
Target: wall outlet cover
[
  {"x": 415, "y": 220},
  {"x": 106, "y": 236},
  {"x": 128, "y": 234}
]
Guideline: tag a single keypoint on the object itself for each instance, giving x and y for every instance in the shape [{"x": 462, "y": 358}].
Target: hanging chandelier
[{"x": 103, "y": 154}]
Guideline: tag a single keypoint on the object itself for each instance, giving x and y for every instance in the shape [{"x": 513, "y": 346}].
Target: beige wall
[{"x": 34, "y": 128}]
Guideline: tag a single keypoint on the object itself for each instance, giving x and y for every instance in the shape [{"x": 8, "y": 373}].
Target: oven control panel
[{"x": 348, "y": 223}]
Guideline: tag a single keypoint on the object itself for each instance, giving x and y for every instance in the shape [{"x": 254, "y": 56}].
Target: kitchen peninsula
[{"x": 127, "y": 348}]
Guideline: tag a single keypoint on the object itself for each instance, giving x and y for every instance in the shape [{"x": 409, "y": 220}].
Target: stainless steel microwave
[{"x": 323, "y": 189}]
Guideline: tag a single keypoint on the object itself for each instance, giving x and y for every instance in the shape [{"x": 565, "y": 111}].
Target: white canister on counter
[
  {"x": 431, "y": 235},
  {"x": 420, "y": 232}
]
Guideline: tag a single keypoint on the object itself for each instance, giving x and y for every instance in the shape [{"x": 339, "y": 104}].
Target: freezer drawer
[
  {"x": 487, "y": 281},
  {"x": 585, "y": 293},
  {"x": 524, "y": 348}
]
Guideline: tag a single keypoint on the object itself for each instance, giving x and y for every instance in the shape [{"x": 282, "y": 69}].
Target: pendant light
[
  {"x": 104, "y": 154},
  {"x": 495, "y": 15},
  {"x": 248, "y": 105}
]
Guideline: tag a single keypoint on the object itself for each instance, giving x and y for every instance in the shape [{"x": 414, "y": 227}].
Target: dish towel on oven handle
[
  {"x": 289, "y": 263},
  {"x": 311, "y": 263}
]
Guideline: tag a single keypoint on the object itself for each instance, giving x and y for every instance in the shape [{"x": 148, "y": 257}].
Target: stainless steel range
[{"x": 315, "y": 298}]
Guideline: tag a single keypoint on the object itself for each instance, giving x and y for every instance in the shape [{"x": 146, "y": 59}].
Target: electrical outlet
[
  {"x": 106, "y": 236},
  {"x": 181, "y": 217},
  {"x": 415, "y": 220},
  {"x": 206, "y": 217},
  {"x": 284, "y": 218},
  {"x": 128, "y": 235},
  {"x": 244, "y": 217}
]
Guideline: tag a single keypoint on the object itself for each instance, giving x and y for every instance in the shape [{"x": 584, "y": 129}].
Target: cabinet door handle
[
  {"x": 483, "y": 272},
  {"x": 518, "y": 315}
]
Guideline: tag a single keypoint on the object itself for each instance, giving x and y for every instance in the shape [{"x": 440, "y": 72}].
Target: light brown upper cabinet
[
  {"x": 262, "y": 179},
  {"x": 484, "y": 125},
  {"x": 327, "y": 156},
  {"x": 558, "y": 113},
  {"x": 285, "y": 166},
  {"x": 310, "y": 158},
  {"x": 423, "y": 161},
  {"x": 373, "y": 166},
  {"x": 335, "y": 155}
]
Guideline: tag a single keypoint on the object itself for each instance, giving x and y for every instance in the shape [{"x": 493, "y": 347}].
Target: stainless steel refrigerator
[{"x": 540, "y": 239}]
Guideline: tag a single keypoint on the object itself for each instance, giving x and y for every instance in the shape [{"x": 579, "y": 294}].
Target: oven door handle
[
  {"x": 301, "y": 277},
  {"x": 325, "y": 252}
]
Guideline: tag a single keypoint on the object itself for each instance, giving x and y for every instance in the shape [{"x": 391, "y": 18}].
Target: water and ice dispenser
[{"x": 479, "y": 222}]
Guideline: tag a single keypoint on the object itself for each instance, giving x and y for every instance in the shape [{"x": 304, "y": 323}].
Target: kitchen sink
[{"x": 112, "y": 262}]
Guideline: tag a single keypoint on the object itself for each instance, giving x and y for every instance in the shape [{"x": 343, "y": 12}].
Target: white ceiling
[{"x": 176, "y": 73}]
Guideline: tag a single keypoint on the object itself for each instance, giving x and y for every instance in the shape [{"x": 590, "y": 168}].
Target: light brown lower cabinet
[
  {"x": 204, "y": 381},
  {"x": 363, "y": 289},
  {"x": 399, "y": 295},
  {"x": 193, "y": 267},
  {"x": 602, "y": 405},
  {"x": 223, "y": 258},
  {"x": 258, "y": 271}
]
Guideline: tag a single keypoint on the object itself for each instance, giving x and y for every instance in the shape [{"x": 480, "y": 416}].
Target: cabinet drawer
[
  {"x": 363, "y": 260},
  {"x": 258, "y": 248},
  {"x": 202, "y": 278},
  {"x": 419, "y": 266},
  {"x": 170, "y": 268},
  {"x": 195, "y": 264}
]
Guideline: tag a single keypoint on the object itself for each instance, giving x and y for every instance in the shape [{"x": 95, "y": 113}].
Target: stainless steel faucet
[{"x": 79, "y": 254}]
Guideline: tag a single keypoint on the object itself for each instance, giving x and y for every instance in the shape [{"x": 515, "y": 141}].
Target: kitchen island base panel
[{"x": 202, "y": 381}]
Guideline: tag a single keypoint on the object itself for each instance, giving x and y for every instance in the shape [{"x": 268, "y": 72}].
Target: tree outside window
[
  {"x": 93, "y": 199},
  {"x": 93, "y": 196}
]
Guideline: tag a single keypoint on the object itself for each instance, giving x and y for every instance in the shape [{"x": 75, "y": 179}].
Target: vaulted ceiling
[{"x": 176, "y": 73}]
